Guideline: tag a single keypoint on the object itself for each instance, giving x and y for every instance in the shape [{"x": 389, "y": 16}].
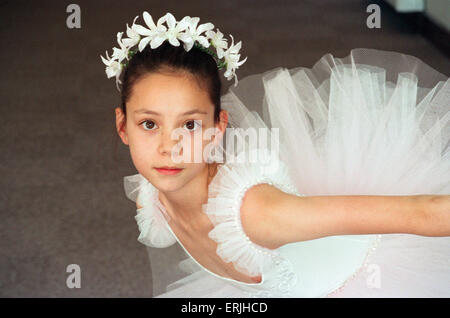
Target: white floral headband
[{"x": 185, "y": 30}]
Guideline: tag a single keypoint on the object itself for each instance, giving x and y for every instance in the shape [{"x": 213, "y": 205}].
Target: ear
[
  {"x": 223, "y": 122},
  {"x": 221, "y": 126},
  {"x": 121, "y": 125}
]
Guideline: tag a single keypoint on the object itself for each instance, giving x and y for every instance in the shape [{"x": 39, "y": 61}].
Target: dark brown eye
[
  {"x": 191, "y": 125},
  {"x": 148, "y": 125}
]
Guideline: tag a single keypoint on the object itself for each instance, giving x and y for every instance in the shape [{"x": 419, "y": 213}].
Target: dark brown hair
[{"x": 173, "y": 59}]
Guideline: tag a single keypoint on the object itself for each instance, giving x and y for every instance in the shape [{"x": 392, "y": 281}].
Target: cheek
[
  {"x": 202, "y": 148},
  {"x": 139, "y": 159},
  {"x": 142, "y": 151},
  {"x": 192, "y": 148}
]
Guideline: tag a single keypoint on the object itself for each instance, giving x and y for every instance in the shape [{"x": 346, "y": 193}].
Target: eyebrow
[{"x": 151, "y": 112}]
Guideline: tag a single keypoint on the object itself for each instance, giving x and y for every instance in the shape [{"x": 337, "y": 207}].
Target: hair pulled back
[{"x": 172, "y": 59}]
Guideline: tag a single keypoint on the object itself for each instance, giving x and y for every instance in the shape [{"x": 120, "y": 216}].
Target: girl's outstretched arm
[{"x": 272, "y": 218}]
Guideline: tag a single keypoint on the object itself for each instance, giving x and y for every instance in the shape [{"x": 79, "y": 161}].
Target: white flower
[
  {"x": 122, "y": 53},
  {"x": 113, "y": 68},
  {"x": 154, "y": 34},
  {"x": 232, "y": 60},
  {"x": 175, "y": 29},
  {"x": 110, "y": 65},
  {"x": 217, "y": 41},
  {"x": 187, "y": 30},
  {"x": 193, "y": 33},
  {"x": 133, "y": 36},
  {"x": 118, "y": 69}
]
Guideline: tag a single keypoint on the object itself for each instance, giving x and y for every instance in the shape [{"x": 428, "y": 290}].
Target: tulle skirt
[{"x": 372, "y": 123}]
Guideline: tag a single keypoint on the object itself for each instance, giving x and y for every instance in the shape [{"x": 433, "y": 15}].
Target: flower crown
[{"x": 185, "y": 30}]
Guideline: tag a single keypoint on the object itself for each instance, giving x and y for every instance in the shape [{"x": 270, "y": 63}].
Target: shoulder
[
  {"x": 240, "y": 196},
  {"x": 259, "y": 214}
]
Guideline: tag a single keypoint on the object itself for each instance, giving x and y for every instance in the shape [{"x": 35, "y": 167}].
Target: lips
[{"x": 166, "y": 170}]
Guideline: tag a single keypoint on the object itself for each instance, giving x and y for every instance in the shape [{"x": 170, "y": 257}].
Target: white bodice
[
  {"x": 372, "y": 123},
  {"x": 225, "y": 194}
]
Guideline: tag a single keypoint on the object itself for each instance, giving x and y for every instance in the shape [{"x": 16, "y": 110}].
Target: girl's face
[{"x": 160, "y": 104}]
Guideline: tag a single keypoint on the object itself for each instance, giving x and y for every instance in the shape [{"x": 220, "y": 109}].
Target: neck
[{"x": 185, "y": 206}]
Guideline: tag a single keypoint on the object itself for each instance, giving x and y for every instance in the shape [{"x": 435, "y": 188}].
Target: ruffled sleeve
[
  {"x": 226, "y": 192},
  {"x": 153, "y": 228}
]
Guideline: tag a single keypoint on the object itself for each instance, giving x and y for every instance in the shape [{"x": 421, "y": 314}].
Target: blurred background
[{"x": 61, "y": 189}]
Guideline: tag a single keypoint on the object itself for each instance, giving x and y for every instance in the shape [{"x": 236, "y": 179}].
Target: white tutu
[{"x": 373, "y": 123}]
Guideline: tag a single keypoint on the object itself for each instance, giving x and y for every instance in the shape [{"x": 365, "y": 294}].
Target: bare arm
[{"x": 272, "y": 218}]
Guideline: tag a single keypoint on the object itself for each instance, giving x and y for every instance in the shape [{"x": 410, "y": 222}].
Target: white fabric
[
  {"x": 373, "y": 123},
  {"x": 151, "y": 222},
  {"x": 226, "y": 192}
]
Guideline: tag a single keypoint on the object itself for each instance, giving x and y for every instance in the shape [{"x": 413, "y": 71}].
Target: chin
[
  {"x": 168, "y": 187},
  {"x": 167, "y": 184}
]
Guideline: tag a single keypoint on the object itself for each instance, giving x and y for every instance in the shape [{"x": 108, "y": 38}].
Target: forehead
[{"x": 163, "y": 92}]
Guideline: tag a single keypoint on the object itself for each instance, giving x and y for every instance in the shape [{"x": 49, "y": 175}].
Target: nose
[{"x": 167, "y": 145}]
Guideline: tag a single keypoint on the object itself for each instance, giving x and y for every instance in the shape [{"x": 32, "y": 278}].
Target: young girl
[{"x": 360, "y": 148}]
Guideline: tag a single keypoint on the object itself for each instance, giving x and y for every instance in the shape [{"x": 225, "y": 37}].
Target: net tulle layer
[{"x": 372, "y": 123}]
